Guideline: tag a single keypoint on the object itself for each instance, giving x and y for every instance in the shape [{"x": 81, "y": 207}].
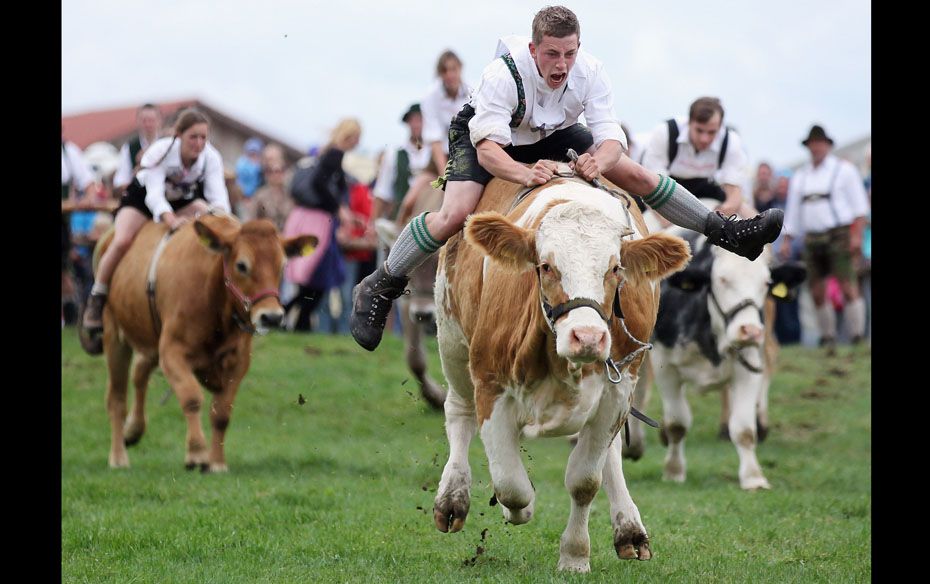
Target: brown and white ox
[
  {"x": 216, "y": 282},
  {"x": 714, "y": 332},
  {"x": 512, "y": 372},
  {"x": 418, "y": 310}
]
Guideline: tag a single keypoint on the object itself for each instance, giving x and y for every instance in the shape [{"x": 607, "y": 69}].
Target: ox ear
[
  {"x": 690, "y": 279},
  {"x": 216, "y": 233},
  {"x": 511, "y": 246},
  {"x": 302, "y": 245},
  {"x": 654, "y": 257}
]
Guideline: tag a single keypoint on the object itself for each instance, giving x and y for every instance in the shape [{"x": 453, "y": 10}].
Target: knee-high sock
[
  {"x": 414, "y": 246},
  {"x": 826, "y": 320},
  {"x": 677, "y": 204},
  {"x": 854, "y": 315}
]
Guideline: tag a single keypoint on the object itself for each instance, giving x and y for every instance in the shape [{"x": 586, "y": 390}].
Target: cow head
[
  {"x": 579, "y": 260},
  {"x": 253, "y": 263},
  {"x": 738, "y": 289}
]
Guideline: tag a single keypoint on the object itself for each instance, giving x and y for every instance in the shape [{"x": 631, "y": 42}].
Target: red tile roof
[{"x": 110, "y": 125}]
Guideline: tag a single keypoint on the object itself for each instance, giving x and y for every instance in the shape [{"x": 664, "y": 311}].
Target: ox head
[
  {"x": 253, "y": 263},
  {"x": 580, "y": 261},
  {"x": 738, "y": 289}
]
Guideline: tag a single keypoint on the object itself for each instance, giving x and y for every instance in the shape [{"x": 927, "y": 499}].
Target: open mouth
[{"x": 556, "y": 79}]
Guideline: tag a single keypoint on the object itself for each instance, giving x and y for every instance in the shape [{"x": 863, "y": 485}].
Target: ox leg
[
  {"x": 190, "y": 396},
  {"x": 744, "y": 397},
  {"x": 220, "y": 414},
  {"x": 762, "y": 409},
  {"x": 585, "y": 470},
  {"x": 500, "y": 433},
  {"x": 676, "y": 419},
  {"x": 135, "y": 424},
  {"x": 630, "y": 539},
  {"x": 119, "y": 356},
  {"x": 416, "y": 357},
  {"x": 637, "y": 446},
  {"x": 724, "y": 431},
  {"x": 453, "y": 497}
]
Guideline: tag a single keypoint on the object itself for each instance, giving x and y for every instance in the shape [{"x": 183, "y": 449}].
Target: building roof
[{"x": 117, "y": 124}]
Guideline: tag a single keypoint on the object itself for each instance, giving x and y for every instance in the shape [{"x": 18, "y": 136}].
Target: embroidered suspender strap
[
  {"x": 672, "y": 140},
  {"x": 812, "y": 197},
  {"x": 723, "y": 147},
  {"x": 150, "y": 281},
  {"x": 517, "y": 118}
]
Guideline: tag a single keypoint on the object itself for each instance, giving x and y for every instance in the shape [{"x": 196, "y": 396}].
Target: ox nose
[
  {"x": 750, "y": 334},
  {"x": 587, "y": 342},
  {"x": 271, "y": 319}
]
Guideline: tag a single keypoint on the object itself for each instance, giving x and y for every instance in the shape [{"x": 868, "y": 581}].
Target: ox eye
[
  {"x": 242, "y": 267},
  {"x": 545, "y": 267},
  {"x": 617, "y": 269}
]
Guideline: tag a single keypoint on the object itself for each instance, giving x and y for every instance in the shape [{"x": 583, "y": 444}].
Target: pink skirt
[{"x": 303, "y": 221}]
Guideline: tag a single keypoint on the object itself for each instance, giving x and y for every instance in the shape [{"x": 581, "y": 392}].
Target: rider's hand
[
  {"x": 539, "y": 174},
  {"x": 173, "y": 221},
  {"x": 586, "y": 167}
]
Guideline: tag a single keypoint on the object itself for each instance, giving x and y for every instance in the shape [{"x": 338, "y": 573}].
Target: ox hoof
[
  {"x": 762, "y": 430},
  {"x": 754, "y": 484},
  {"x": 450, "y": 510},
  {"x": 132, "y": 433},
  {"x": 663, "y": 436},
  {"x": 518, "y": 516},
  {"x": 214, "y": 467},
  {"x": 674, "y": 471},
  {"x": 119, "y": 460},
  {"x": 631, "y": 542},
  {"x": 570, "y": 564},
  {"x": 724, "y": 433},
  {"x": 633, "y": 451}
]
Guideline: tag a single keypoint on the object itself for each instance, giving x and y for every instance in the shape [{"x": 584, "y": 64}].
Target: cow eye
[
  {"x": 242, "y": 267},
  {"x": 545, "y": 267},
  {"x": 617, "y": 269}
]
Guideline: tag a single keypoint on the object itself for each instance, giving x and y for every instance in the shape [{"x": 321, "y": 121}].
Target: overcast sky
[{"x": 292, "y": 68}]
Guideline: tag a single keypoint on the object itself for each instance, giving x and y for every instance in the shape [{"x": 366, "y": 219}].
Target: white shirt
[
  {"x": 847, "y": 197},
  {"x": 123, "y": 174},
  {"x": 73, "y": 166},
  {"x": 384, "y": 185},
  {"x": 587, "y": 91},
  {"x": 438, "y": 109},
  {"x": 692, "y": 164},
  {"x": 169, "y": 179}
]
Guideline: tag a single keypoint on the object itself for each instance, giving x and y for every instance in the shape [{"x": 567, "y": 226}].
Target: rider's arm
[
  {"x": 731, "y": 174},
  {"x": 214, "y": 188},
  {"x": 493, "y": 159}
]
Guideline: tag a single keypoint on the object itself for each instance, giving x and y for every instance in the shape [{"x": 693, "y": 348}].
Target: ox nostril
[{"x": 271, "y": 319}]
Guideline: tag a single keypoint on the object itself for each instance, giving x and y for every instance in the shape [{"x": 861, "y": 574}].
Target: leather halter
[
  {"x": 246, "y": 302},
  {"x": 728, "y": 317}
]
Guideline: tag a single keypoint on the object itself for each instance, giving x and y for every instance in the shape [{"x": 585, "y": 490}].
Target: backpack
[{"x": 306, "y": 194}]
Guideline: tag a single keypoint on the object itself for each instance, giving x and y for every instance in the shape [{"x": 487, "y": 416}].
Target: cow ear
[
  {"x": 216, "y": 233},
  {"x": 511, "y": 246},
  {"x": 302, "y": 245},
  {"x": 690, "y": 280},
  {"x": 656, "y": 256}
]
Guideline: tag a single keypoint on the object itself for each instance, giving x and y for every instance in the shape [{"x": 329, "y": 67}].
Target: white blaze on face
[
  {"x": 581, "y": 243},
  {"x": 733, "y": 280}
]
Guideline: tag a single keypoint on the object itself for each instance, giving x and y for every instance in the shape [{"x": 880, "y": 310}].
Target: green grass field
[{"x": 340, "y": 488}]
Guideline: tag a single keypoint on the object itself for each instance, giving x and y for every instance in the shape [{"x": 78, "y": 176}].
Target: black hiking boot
[
  {"x": 744, "y": 237},
  {"x": 371, "y": 302}
]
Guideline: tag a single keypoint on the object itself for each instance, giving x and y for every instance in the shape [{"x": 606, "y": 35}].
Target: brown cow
[
  {"x": 216, "y": 282},
  {"x": 529, "y": 324}
]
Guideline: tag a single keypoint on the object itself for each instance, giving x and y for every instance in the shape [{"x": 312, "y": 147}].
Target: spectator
[
  {"x": 77, "y": 180},
  {"x": 149, "y": 124},
  {"x": 249, "y": 168},
  {"x": 398, "y": 171},
  {"x": 828, "y": 205},
  {"x": 271, "y": 201},
  {"x": 445, "y": 98},
  {"x": 763, "y": 189},
  {"x": 319, "y": 202}
]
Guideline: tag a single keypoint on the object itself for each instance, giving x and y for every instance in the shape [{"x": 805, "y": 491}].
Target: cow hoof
[
  {"x": 518, "y": 516},
  {"x": 119, "y": 460},
  {"x": 631, "y": 542},
  {"x": 213, "y": 467},
  {"x": 132, "y": 433},
  {"x": 754, "y": 484},
  {"x": 633, "y": 451},
  {"x": 663, "y": 436},
  {"x": 762, "y": 431},
  {"x": 674, "y": 471},
  {"x": 724, "y": 433},
  {"x": 190, "y": 465},
  {"x": 450, "y": 511},
  {"x": 570, "y": 564}
]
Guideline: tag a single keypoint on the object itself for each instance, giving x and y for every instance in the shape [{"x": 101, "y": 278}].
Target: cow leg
[
  {"x": 500, "y": 434},
  {"x": 676, "y": 419},
  {"x": 141, "y": 372},
  {"x": 220, "y": 413},
  {"x": 416, "y": 357},
  {"x": 584, "y": 472},
  {"x": 630, "y": 538},
  {"x": 744, "y": 395},
  {"x": 453, "y": 497},
  {"x": 762, "y": 409},
  {"x": 724, "y": 432},
  {"x": 190, "y": 396},
  {"x": 637, "y": 446},
  {"x": 119, "y": 356}
]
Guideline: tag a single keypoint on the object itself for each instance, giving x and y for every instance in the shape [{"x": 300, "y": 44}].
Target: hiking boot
[
  {"x": 744, "y": 237},
  {"x": 93, "y": 313},
  {"x": 371, "y": 302}
]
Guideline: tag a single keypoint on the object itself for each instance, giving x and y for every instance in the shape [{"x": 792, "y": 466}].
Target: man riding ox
[
  {"x": 541, "y": 315},
  {"x": 714, "y": 331},
  {"x": 189, "y": 302}
]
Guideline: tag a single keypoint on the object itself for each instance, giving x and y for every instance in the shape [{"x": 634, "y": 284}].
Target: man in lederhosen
[
  {"x": 827, "y": 204},
  {"x": 697, "y": 151},
  {"x": 525, "y": 111}
]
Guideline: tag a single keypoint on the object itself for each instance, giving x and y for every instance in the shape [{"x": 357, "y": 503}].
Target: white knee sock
[
  {"x": 826, "y": 320},
  {"x": 414, "y": 246}
]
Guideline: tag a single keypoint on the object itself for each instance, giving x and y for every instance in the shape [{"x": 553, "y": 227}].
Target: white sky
[{"x": 292, "y": 68}]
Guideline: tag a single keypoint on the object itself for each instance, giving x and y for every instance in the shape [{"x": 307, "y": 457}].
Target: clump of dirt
[{"x": 479, "y": 549}]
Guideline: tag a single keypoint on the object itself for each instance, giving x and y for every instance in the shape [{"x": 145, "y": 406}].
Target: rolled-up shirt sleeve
[
  {"x": 214, "y": 183},
  {"x": 599, "y": 111},
  {"x": 494, "y": 101},
  {"x": 155, "y": 192}
]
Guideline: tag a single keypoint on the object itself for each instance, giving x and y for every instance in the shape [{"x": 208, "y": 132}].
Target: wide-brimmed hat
[
  {"x": 817, "y": 133},
  {"x": 413, "y": 109}
]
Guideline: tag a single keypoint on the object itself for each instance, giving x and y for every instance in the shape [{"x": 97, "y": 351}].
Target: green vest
[{"x": 402, "y": 176}]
